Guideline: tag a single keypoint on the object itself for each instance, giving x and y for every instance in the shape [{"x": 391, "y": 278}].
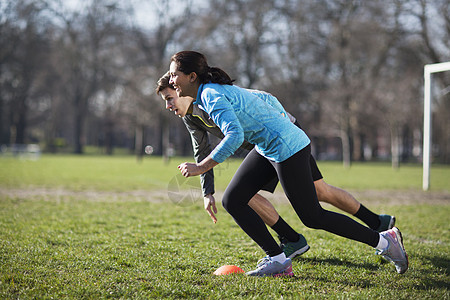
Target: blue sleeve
[
  {"x": 222, "y": 113},
  {"x": 272, "y": 101},
  {"x": 276, "y": 104}
]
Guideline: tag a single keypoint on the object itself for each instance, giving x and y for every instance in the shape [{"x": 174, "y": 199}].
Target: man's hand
[{"x": 210, "y": 206}]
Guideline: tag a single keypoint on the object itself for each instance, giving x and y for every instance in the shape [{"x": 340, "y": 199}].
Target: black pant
[{"x": 296, "y": 180}]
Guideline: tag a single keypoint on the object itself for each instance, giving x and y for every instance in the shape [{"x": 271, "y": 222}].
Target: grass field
[{"x": 110, "y": 227}]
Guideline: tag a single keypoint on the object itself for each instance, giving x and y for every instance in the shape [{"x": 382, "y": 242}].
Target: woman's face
[
  {"x": 179, "y": 105},
  {"x": 184, "y": 84}
]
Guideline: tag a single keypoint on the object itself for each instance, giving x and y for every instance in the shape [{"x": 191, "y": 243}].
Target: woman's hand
[{"x": 190, "y": 169}]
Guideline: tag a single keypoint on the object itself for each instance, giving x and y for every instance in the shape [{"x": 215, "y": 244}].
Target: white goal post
[{"x": 428, "y": 70}]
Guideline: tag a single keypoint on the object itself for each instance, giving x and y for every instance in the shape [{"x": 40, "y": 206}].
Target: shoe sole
[
  {"x": 403, "y": 247},
  {"x": 299, "y": 252},
  {"x": 286, "y": 273}
]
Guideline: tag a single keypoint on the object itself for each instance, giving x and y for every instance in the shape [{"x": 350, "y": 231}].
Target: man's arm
[{"x": 201, "y": 148}]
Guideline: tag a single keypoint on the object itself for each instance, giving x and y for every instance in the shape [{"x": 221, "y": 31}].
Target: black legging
[{"x": 296, "y": 180}]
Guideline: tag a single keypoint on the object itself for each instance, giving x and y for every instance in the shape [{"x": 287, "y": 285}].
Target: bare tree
[
  {"x": 346, "y": 69},
  {"x": 151, "y": 60},
  {"x": 362, "y": 38},
  {"x": 83, "y": 58},
  {"x": 241, "y": 36},
  {"x": 434, "y": 18},
  {"x": 22, "y": 58}
]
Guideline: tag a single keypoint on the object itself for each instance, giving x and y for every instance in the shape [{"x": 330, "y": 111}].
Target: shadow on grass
[
  {"x": 425, "y": 279},
  {"x": 339, "y": 262},
  {"x": 439, "y": 262},
  {"x": 340, "y": 280},
  {"x": 429, "y": 278},
  {"x": 360, "y": 283}
]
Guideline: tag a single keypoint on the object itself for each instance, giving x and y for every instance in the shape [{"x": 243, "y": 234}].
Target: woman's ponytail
[
  {"x": 219, "y": 76},
  {"x": 191, "y": 61}
]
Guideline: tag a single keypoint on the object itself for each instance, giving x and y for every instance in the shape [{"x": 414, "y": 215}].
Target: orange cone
[{"x": 228, "y": 269}]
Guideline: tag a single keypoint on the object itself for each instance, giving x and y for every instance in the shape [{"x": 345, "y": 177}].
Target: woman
[{"x": 281, "y": 149}]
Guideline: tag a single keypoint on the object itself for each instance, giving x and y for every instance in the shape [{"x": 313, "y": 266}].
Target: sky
[{"x": 144, "y": 10}]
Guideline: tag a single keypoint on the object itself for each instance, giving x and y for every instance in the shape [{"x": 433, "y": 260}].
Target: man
[{"x": 199, "y": 124}]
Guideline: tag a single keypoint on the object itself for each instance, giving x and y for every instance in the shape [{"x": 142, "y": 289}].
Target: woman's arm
[{"x": 224, "y": 116}]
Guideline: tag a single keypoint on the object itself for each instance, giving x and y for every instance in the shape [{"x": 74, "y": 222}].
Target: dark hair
[
  {"x": 191, "y": 61},
  {"x": 163, "y": 83}
]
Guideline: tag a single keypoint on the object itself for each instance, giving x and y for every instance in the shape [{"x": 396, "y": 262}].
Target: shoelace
[{"x": 263, "y": 261}]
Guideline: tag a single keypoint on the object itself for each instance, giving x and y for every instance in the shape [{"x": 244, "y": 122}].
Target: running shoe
[
  {"x": 294, "y": 249},
  {"x": 395, "y": 251},
  {"x": 267, "y": 267},
  {"x": 386, "y": 222}
]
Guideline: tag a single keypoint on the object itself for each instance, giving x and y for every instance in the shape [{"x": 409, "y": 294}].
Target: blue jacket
[{"x": 241, "y": 116}]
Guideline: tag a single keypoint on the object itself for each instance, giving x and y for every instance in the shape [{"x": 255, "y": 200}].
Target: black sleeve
[{"x": 202, "y": 148}]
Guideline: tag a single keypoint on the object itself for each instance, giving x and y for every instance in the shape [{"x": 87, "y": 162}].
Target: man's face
[{"x": 179, "y": 105}]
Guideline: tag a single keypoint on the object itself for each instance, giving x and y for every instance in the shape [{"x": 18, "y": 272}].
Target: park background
[
  {"x": 75, "y": 74},
  {"x": 85, "y": 213}
]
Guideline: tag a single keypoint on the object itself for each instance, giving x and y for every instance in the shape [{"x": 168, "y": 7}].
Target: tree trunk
[
  {"x": 3, "y": 136},
  {"x": 18, "y": 121},
  {"x": 357, "y": 147},
  {"x": 78, "y": 132},
  {"x": 346, "y": 158},
  {"x": 21, "y": 124},
  {"x": 139, "y": 142},
  {"x": 109, "y": 135},
  {"x": 395, "y": 148}
]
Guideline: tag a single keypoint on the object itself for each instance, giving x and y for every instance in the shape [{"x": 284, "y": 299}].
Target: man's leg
[
  {"x": 264, "y": 209},
  {"x": 336, "y": 197},
  {"x": 346, "y": 202}
]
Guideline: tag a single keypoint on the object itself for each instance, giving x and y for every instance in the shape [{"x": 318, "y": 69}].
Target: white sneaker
[
  {"x": 395, "y": 251},
  {"x": 267, "y": 267}
]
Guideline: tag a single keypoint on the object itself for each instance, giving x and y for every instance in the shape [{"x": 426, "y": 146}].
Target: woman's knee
[
  {"x": 230, "y": 201},
  {"x": 226, "y": 203},
  {"x": 314, "y": 221}
]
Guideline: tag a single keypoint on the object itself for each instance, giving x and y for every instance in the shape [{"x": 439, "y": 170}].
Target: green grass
[
  {"x": 124, "y": 173},
  {"x": 71, "y": 245}
]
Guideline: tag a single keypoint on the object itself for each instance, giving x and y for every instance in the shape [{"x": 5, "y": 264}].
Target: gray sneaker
[
  {"x": 267, "y": 267},
  {"x": 386, "y": 222},
  {"x": 395, "y": 251},
  {"x": 294, "y": 249}
]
